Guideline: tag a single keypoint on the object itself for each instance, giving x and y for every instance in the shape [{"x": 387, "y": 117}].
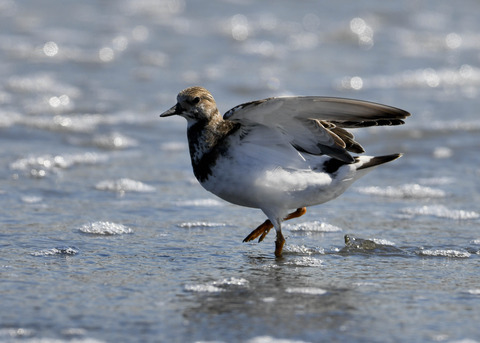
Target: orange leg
[
  {"x": 298, "y": 213},
  {"x": 265, "y": 227},
  {"x": 279, "y": 242}
]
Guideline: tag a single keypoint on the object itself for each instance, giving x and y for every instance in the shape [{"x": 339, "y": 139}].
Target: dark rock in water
[
  {"x": 359, "y": 243},
  {"x": 369, "y": 246}
]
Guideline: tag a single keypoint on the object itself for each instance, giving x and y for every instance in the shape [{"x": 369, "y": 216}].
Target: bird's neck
[{"x": 203, "y": 136}]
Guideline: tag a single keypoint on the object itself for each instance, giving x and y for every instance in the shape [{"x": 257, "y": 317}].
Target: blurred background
[{"x": 106, "y": 235}]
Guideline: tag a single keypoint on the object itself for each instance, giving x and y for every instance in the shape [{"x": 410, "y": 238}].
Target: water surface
[{"x": 107, "y": 237}]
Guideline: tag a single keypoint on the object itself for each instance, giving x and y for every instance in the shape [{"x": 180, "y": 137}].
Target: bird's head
[{"x": 194, "y": 104}]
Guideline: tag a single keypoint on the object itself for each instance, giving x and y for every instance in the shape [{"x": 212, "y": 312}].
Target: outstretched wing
[{"x": 316, "y": 125}]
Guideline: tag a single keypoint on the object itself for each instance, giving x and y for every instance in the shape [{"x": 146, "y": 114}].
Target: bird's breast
[{"x": 207, "y": 145}]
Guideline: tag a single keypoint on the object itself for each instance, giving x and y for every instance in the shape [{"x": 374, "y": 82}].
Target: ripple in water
[
  {"x": 199, "y": 203},
  {"x": 405, "y": 191},
  {"x": 40, "y": 165},
  {"x": 124, "y": 185},
  {"x": 441, "y": 211},
  {"x": 114, "y": 141}
]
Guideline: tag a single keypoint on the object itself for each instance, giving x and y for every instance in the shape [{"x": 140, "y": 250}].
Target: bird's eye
[{"x": 195, "y": 100}]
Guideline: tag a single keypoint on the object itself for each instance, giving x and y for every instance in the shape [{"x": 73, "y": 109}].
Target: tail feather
[{"x": 375, "y": 161}]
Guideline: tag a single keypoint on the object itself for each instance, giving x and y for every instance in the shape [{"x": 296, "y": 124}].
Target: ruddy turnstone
[{"x": 279, "y": 154}]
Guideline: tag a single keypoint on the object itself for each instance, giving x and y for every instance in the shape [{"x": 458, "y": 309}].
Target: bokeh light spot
[
  {"x": 356, "y": 83},
  {"x": 50, "y": 49},
  {"x": 453, "y": 40},
  {"x": 240, "y": 28},
  {"x": 106, "y": 54}
]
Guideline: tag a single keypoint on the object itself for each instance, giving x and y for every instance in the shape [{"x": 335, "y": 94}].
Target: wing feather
[
  {"x": 316, "y": 125},
  {"x": 338, "y": 110}
]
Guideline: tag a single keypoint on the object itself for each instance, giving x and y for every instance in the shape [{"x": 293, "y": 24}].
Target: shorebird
[{"x": 281, "y": 154}]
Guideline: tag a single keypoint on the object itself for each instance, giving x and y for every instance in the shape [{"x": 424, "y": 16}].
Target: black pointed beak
[{"x": 172, "y": 111}]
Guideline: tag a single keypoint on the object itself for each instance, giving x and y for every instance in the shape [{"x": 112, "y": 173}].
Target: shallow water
[{"x": 107, "y": 237}]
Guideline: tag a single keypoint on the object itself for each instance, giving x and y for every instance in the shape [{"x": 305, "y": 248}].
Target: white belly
[{"x": 260, "y": 186}]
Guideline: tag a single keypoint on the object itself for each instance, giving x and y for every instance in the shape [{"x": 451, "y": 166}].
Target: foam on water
[
  {"x": 444, "y": 253},
  {"x": 306, "y": 261},
  {"x": 269, "y": 299},
  {"x": 381, "y": 241},
  {"x": 190, "y": 225},
  {"x": 199, "y": 203},
  {"x": 414, "y": 191},
  {"x": 208, "y": 288},
  {"x": 105, "y": 228},
  {"x": 232, "y": 281},
  {"x": 217, "y": 286},
  {"x": 124, "y": 185},
  {"x": 441, "y": 211},
  {"x": 64, "y": 251},
  {"x": 314, "y": 226},
  {"x": 474, "y": 291},
  {"x": 302, "y": 249},
  {"x": 306, "y": 290}
]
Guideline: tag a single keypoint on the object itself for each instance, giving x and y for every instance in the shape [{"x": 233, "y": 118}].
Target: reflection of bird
[{"x": 279, "y": 154}]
